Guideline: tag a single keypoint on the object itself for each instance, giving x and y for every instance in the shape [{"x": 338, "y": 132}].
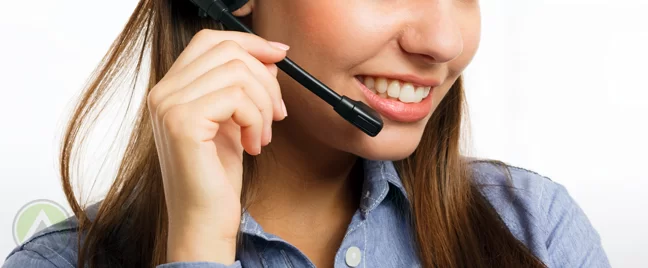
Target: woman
[{"x": 194, "y": 188}]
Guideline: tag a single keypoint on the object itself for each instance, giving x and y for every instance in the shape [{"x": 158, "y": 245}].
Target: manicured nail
[
  {"x": 278, "y": 45},
  {"x": 285, "y": 111}
]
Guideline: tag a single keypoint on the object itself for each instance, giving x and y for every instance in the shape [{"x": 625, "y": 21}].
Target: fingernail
[
  {"x": 278, "y": 45},
  {"x": 283, "y": 106}
]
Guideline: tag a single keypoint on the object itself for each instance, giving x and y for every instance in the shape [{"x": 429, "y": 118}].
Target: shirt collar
[{"x": 379, "y": 177}]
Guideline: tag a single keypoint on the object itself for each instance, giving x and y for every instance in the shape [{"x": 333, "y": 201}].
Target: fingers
[
  {"x": 214, "y": 61},
  {"x": 273, "y": 69},
  {"x": 206, "y": 39},
  {"x": 234, "y": 73},
  {"x": 222, "y": 53},
  {"x": 196, "y": 120}
]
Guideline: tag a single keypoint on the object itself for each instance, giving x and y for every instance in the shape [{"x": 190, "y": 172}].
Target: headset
[{"x": 355, "y": 112}]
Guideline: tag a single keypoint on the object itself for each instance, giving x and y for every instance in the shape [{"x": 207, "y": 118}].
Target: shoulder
[
  {"x": 504, "y": 185},
  {"x": 54, "y": 246},
  {"x": 541, "y": 214}
]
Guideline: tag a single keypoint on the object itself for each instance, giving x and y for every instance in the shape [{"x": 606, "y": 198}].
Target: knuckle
[
  {"x": 172, "y": 121},
  {"x": 152, "y": 100},
  {"x": 154, "y": 96},
  {"x": 238, "y": 66},
  {"x": 229, "y": 46},
  {"x": 238, "y": 94},
  {"x": 203, "y": 34},
  {"x": 161, "y": 109}
]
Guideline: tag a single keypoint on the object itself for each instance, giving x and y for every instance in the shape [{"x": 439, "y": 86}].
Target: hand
[{"x": 218, "y": 99}]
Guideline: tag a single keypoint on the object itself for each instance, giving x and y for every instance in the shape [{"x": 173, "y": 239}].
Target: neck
[{"x": 304, "y": 179}]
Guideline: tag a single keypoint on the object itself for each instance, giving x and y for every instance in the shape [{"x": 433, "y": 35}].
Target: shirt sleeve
[
  {"x": 37, "y": 255},
  {"x": 572, "y": 241}
]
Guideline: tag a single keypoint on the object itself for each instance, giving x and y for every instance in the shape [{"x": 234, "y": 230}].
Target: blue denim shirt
[{"x": 539, "y": 212}]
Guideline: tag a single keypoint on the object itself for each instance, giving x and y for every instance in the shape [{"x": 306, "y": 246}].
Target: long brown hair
[{"x": 454, "y": 225}]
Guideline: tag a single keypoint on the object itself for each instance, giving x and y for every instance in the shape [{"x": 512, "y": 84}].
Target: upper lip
[{"x": 410, "y": 78}]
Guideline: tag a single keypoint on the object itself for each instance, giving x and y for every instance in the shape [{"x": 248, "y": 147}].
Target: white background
[{"x": 558, "y": 86}]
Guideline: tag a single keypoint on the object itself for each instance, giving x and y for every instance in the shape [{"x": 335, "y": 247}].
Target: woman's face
[{"x": 405, "y": 46}]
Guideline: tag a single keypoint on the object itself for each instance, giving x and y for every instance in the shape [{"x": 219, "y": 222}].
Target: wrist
[{"x": 190, "y": 244}]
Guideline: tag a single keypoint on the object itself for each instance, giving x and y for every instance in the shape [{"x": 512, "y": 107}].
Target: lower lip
[{"x": 396, "y": 110}]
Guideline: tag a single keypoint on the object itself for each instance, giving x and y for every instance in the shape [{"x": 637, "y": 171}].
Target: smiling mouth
[
  {"x": 412, "y": 104},
  {"x": 394, "y": 89}
]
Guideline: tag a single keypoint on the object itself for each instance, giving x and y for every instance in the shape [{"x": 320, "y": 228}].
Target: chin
[{"x": 393, "y": 143}]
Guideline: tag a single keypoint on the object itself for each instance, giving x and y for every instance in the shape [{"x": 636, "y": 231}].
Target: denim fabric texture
[{"x": 538, "y": 211}]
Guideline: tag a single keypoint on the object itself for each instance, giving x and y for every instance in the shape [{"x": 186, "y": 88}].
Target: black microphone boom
[{"x": 355, "y": 112}]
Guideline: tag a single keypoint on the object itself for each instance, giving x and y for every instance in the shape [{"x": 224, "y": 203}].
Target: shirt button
[{"x": 353, "y": 256}]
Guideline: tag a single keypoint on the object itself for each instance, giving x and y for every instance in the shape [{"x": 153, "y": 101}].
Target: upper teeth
[{"x": 404, "y": 91}]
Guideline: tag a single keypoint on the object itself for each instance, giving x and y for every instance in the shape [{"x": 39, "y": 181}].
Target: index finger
[{"x": 206, "y": 39}]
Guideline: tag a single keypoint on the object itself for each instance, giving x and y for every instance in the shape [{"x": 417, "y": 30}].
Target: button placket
[
  {"x": 353, "y": 256},
  {"x": 352, "y": 252}
]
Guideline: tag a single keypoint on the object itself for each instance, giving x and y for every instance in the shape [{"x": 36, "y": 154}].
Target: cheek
[
  {"x": 317, "y": 27},
  {"x": 336, "y": 31}
]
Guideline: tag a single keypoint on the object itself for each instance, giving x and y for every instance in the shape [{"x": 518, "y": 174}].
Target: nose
[{"x": 433, "y": 32}]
